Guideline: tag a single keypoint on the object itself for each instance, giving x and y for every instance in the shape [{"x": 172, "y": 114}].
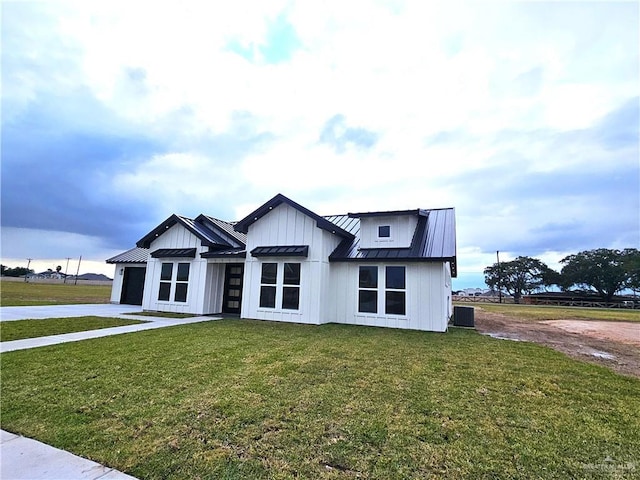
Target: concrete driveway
[{"x": 61, "y": 311}]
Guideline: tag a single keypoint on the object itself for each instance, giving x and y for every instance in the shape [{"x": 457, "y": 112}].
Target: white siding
[
  {"x": 402, "y": 228},
  {"x": 285, "y": 225},
  {"x": 116, "y": 286},
  {"x": 427, "y": 300},
  {"x": 176, "y": 237}
]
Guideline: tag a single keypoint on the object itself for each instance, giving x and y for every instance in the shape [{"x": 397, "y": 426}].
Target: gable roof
[
  {"x": 434, "y": 239},
  {"x": 205, "y": 232},
  {"x": 244, "y": 224}
]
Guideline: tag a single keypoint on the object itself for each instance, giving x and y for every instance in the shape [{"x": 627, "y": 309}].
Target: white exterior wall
[
  {"x": 285, "y": 225},
  {"x": 116, "y": 286},
  {"x": 176, "y": 237},
  {"x": 402, "y": 229},
  {"x": 427, "y": 297}
]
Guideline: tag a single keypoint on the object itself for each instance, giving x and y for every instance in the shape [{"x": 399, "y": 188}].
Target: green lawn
[
  {"x": 25, "y": 293},
  {"x": 19, "y": 329},
  {"x": 247, "y": 399},
  {"x": 538, "y": 312}
]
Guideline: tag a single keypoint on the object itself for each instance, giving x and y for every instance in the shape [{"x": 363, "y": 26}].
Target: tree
[
  {"x": 632, "y": 266},
  {"x": 16, "y": 272},
  {"x": 522, "y": 275},
  {"x": 58, "y": 268},
  {"x": 604, "y": 270}
]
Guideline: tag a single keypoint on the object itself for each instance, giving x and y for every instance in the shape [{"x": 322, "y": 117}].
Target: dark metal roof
[
  {"x": 281, "y": 251},
  {"x": 174, "y": 252},
  {"x": 206, "y": 236},
  {"x": 229, "y": 253},
  {"x": 434, "y": 240},
  {"x": 244, "y": 224},
  {"x": 226, "y": 229},
  {"x": 392, "y": 213},
  {"x": 133, "y": 255}
]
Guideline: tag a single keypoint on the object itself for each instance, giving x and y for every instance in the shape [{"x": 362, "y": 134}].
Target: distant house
[
  {"x": 48, "y": 274},
  {"x": 285, "y": 263}
]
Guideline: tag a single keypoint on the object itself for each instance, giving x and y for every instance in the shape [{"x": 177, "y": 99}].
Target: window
[
  {"x": 291, "y": 286},
  {"x": 394, "y": 290},
  {"x": 268, "y": 285},
  {"x": 384, "y": 231},
  {"x": 182, "y": 279},
  {"x": 368, "y": 289},
  {"x": 285, "y": 286},
  {"x": 181, "y": 282},
  {"x": 165, "y": 281}
]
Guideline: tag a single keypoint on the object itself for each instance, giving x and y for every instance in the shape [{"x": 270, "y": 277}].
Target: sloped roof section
[
  {"x": 225, "y": 229},
  {"x": 212, "y": 232},
  {"x": 434, "y": 240},
  {"x": 244, "y": 224},
  {"x": 133, "y": 255}
]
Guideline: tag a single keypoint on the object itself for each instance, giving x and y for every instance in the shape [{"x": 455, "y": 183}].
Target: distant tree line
[
  {"x": 14, "y": 272},
  {"x": 602, "y": 271}
]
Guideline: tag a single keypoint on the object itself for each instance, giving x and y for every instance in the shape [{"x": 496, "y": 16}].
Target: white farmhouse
[{"x": 285, "y": 263}]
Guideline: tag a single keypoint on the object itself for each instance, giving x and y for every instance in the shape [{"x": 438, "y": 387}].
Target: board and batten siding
[
  {"x": 402, "y": 228},
  {"x": 427, "y": 300},
  {"x": 176, "y": 237},
  {"x": 285, "y": 225}
]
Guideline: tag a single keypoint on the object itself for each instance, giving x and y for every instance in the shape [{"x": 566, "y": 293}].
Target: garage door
[{"x": 133, "y": 285}]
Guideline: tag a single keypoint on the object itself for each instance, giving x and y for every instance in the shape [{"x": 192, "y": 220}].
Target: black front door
[
  {"x": 232, "y": 298},
  {"x": 133, "y": 285}
]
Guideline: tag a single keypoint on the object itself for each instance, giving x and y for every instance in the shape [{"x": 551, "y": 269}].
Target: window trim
[
  {"x": 173, "y": 282},
  {"x": 382, "y": 292},
  {"x": 384, "y": 231},
  {"x": 280, "y": 301}
]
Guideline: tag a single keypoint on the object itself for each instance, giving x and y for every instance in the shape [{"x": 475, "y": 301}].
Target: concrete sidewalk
[
  {"x": 24, "y": 458},
  {"x": 152, "y": 323}
]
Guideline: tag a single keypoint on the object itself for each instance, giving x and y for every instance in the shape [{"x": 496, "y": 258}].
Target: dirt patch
[
  {"x": 613, "y": 344},
  {"x": 623, "y": 332}
]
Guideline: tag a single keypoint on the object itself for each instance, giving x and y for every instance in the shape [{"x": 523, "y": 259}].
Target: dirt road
[{"x": 613, "y": 344}]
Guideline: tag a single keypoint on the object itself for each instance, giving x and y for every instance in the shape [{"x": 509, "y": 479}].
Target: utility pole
[
  {"x": 27, "y": 272},
  {"x": 78, "y": 271},
  {"x": 499, "y": 277},
  {"x": 65, "y": 270}
]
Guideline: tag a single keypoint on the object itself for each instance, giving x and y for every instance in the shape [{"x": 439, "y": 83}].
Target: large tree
[
  {"x": 604, "y": 270},
  {"x": 523, "y": 275}
]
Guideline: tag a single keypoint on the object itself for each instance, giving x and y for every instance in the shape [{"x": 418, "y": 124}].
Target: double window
[
  {"x": 391, "y": 289},
  {"x": 177, "y": 282},
  {"x": 280, "y": 284}
]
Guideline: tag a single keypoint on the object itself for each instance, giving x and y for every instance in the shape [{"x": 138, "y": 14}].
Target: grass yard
[
  {"x": 246, "y": 399},
  {"x": 19, "y": 329},
  {"x": 25, "y": 293},
  {"x": 538, "y": 312}
]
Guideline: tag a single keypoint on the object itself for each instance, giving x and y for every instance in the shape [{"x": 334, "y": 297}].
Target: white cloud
[{"x": 505, "y": 79}]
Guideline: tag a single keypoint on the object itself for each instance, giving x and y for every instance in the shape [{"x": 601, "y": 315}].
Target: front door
[
  {"x": 133, "y": 285},
  {"x": 232, "y": 298}
]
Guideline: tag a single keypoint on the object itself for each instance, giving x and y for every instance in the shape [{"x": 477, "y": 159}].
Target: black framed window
[
  {"x": 291, "y": 286},
  {"x": 268, "y": 280},
  {"x": 368, "y": 289},
  {"x": 182, "y": 279},
  {"x": 384, "y": 231},
  {"x": 395, "y": 295},
  {"x": 166, "y": 274},
  {"x": 164, "y": 292}
]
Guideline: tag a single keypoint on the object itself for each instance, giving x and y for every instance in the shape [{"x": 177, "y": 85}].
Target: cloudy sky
[{"x": 524, "y": 116}]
